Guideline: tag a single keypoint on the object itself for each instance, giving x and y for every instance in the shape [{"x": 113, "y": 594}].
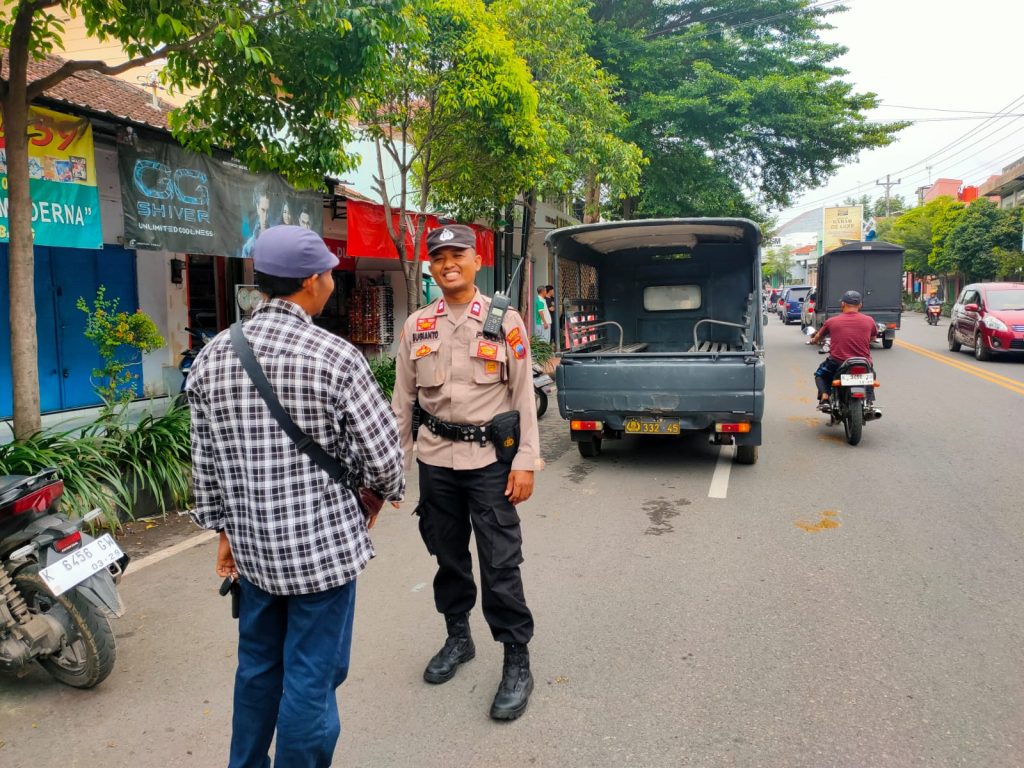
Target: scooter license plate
[
  {"x": 78, "y": 566},
  {"x": 856, "y": 379},
  {"x": 652, "y": 426}
]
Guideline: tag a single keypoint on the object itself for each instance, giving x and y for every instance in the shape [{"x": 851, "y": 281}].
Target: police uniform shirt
[{"x": 461, "y": 377}]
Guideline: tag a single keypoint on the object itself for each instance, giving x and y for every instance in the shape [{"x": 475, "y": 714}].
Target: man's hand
[
  {"x": 225, "y": 560},
  {"x": 520, "y": 486}
]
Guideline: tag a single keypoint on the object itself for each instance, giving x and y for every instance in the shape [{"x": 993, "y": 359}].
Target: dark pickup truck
[
  {"x": 660, "y": 330},
  {"x": 873, "y": 269}
]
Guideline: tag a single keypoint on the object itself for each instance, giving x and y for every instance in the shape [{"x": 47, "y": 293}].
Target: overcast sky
[{"x": 936, "y": 54}]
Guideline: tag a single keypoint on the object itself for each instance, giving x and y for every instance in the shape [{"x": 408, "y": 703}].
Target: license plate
[
  {"x": 81, "y": 564},
  {"x": 856, "y": 379},
  {"x": 652, "y": 426}
]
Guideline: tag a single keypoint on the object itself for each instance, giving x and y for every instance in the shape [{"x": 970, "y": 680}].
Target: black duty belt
[{"x": 463, "y": 433}]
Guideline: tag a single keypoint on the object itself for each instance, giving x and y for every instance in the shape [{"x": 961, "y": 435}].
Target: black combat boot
[
  {"x": 458, "y": 648},
  {"x": 516, "y": 683}
]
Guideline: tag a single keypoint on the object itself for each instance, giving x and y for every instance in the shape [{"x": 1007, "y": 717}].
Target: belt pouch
[{"x": 504, "y": 434}]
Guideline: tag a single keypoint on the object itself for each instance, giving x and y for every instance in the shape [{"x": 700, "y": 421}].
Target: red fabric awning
[{"x": 368, "y": 233}]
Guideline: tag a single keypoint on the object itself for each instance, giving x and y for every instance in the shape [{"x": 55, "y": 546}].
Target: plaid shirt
[{"x": 292, "y": 529}]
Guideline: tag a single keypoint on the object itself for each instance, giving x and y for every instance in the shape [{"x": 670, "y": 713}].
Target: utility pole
[{"x": 888, "y": 184}]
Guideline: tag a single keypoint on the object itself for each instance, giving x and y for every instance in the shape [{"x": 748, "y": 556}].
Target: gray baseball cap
[
  {"x": 851, "y": 298},
  {"x": 451, "y": 236},
  {"x": 290, "y": 251}
]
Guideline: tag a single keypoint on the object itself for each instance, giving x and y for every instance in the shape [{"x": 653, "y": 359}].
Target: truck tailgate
[{"x": 697, "y": 389}]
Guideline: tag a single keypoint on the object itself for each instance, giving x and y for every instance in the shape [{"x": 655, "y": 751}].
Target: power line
[{"x": 937, "y": 109}]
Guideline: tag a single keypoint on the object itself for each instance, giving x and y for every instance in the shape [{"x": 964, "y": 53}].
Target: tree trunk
[
  {"x": 592, "y": 201},
  {"x": 24, "y": 345}
]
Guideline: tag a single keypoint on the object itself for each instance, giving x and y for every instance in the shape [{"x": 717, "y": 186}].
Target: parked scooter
[
  {"x": 851, "y": 401},
  {"x": 932, "y": 313},
  {"x": 199, "y": 340},
  {"x": 58, "y": 584},
  {"x": 543, "y": 386}
]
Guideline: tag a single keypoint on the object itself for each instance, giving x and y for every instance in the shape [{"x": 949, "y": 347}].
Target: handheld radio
[
  {"x": 496, "y": 316},
  {"x": 499, "y": 306}
]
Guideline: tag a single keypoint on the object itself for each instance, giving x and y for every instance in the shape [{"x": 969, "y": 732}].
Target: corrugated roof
[{"x": 102, "y": 94}]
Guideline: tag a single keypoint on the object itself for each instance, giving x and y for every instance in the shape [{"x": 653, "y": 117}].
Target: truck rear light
[
  {"x": 742, "y": 426},
  {"x": 37, "y": 501},
  {"x": 891, "y": 326},
  {"x": 586, "y": 426},
  {"x": 63, "y": 545}
]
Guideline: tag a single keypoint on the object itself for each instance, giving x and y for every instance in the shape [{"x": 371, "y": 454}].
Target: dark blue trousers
[{"x": 293, "y": 653}]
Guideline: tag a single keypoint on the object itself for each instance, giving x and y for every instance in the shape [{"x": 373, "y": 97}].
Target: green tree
[
  {"x": 1007, "y": 244},
  {"x": 971, "y": 240},
  {"x": 913, "y": 230},
  {"x": 732, "y": 100},
  {"x": 455, "y": 109},
  {"x": 897, "y": 204},
  {"x": 577, "y": 107},
  {"x": 944, "y": 213},
  {"x": 778, "y": 263},
  {"x": 274, "y": 81}
]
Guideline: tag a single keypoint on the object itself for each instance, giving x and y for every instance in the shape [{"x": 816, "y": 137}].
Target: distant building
[{"x": 1008, "y": 186}]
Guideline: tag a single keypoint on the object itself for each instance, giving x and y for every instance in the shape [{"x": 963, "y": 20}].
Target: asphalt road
[{"x": 840, "y": 606}]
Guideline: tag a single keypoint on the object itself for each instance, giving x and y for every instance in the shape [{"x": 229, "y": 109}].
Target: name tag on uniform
[{"x": 487, "y": 350}]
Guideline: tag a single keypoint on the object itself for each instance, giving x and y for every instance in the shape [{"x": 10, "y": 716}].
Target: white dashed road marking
[{"x": 720, "y": 480}]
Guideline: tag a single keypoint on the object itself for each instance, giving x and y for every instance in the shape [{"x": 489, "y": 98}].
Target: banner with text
[
  {"x": 175, "y": 200},
  {"x": 841, "y": 225},
  {"x": 62, "y": 181}
]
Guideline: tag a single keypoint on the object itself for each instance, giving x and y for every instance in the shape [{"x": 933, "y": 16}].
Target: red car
[{"x": 988, "y": 317}]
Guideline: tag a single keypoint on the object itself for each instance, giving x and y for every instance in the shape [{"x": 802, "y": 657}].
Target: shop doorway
[{"x": 66, "y": 357}]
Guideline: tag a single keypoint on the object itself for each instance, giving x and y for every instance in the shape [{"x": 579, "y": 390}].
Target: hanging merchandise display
[{"x": 372, "y": 319}]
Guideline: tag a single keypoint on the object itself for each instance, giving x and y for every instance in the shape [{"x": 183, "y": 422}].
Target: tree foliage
[
  {"x": 455, "y": 109},
  {"x": 738, "y": 104},
  {"x": 778, "y": 263},
  {"x": 274, "y": 80},
  {"x": 577, "y": 109}
]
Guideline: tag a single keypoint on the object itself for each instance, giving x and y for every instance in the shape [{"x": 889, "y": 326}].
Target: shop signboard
[
  {"x": 842, "y": 225},
  {"x": 62, "y": 181},
  {"x": 179, "y": 201}
]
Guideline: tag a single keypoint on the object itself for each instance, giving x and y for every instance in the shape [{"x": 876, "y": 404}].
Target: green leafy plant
[
  {"x": 541, "y": 350},
  {"x": 110, "y": 463},
  {"x": 120, "y": 338},
  {"x": 383, "y": 370}
]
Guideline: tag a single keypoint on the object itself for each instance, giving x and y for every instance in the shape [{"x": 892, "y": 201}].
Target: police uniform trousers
[{"x": 454, "y": 503}]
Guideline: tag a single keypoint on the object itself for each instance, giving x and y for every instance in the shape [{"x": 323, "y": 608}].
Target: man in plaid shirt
[{"x": 293, "y": 538}]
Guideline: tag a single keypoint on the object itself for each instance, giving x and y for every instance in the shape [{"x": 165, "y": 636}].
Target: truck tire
[
  {"x": 89, "y": 652},
  {"x": 954, "y": 345},
  {"x": 887, "y": 343},
  {"x": 590, "y": 448},
  {"x": 854, "y": 423},
  {"x": 746, "y": 454},
  {"x": 541, "y": 399}
]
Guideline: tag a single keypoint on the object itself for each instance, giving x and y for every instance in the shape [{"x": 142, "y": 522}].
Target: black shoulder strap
[{"x": 329, "y": 464}]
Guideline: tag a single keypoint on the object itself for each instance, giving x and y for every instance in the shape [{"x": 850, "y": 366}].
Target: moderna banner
[
  {"x": 175, "y": 200},
  {"x": 62, "y": 181}
]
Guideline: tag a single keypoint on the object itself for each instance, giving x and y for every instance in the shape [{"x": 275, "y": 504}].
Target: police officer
[{"x": 477, "y": 447}]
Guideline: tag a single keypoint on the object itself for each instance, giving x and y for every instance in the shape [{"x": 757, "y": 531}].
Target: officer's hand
[
  {"x": 520, "y": 486},
  {"x": 225, "y": 560}
]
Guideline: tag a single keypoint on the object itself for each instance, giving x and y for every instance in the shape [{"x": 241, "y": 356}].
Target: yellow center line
[{"x": 994, "y": 378}]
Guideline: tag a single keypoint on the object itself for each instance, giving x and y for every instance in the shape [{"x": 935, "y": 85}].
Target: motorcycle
[
  {"x": 851, "y": 400},
  {"x": 199, "y": 340},
  {"x": 932, "y": 313},
  {"x": 58, "y": 584},
  {"x": 543, "y": 386}
]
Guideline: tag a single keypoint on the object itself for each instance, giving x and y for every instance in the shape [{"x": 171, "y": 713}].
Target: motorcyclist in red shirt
[{"x": 851, "y": 333}]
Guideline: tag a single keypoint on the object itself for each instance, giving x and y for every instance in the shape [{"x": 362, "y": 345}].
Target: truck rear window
[{"x": 671, "y": 298}]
